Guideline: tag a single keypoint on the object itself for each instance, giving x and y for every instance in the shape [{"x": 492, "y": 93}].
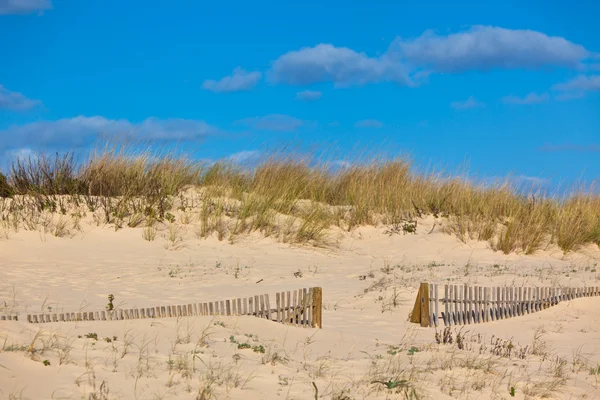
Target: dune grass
[{"x": 292, "y": 198}]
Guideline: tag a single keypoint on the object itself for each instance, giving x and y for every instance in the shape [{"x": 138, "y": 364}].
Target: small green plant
[
  {"x": 512, "y": 391},
  {"x": 257, "y": 349},
  {"x": 220, "y": 323},
  {"x": 170, "y": 217},
  {"x": 409, "y": 227},
  {"x": 46, "y": 363},
  {"x": 393, "y": 384},
  {"x": 149, "y": 233},
  {"x": 110, "y": 306},
  {"x": 92, "y": 335},
  {"x": 413, "y": 350}
]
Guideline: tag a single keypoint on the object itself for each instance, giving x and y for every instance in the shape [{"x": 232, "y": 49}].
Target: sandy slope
[{"x": 365, "y": 337}]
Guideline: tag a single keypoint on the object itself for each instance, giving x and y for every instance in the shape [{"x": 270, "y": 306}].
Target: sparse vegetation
[{"x": 294, "y": 199}]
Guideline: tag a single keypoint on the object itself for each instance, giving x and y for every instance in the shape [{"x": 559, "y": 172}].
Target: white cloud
[
  {"x": 239, "y": 80},
  {"x": 531, "y": 98},
  {"x": 581, "y": 83},
  {"x": 533, "y": 181},
  {"x": 368, "y": 123},
  {"x": 409, "y": 62},
  {"x": 519, "y": 182},
  {"x": 471, "y": 102},
  {"x": 15, "y": 101},
  {"x": 81, "y": 131},
  {"x": 569, "y": 96},
  {"x": 309, "y": 95},
  {"x": 340, "y": 165},
  {"x": 244, "y": 156},
  {"x": 273, "y": 122},
  {"x": 24, "y": 6},
  {"x": 340, "y": 65},
  {"x": 488, "y": 47}
]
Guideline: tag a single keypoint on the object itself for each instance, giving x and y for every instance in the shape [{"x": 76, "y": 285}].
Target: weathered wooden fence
[
  {"x": 463, "y": 305},
  {"x": 302, "y": 307}
]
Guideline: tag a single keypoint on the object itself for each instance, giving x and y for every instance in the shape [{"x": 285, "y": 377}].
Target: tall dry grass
[{"x": 299, "y": 199}]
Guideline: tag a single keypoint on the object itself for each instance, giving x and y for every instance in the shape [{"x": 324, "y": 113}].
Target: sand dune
[{"x": 366, "y": 336}]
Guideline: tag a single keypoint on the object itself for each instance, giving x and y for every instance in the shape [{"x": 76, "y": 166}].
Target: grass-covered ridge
[{"x": 290, "y": 198}]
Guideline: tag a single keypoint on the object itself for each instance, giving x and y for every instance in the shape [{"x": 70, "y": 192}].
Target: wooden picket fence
[
  {"x": 463, "y": 305},
  {"x": 302, "y": 307}
]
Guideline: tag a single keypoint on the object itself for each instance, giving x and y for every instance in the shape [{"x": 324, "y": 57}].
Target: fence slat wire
[{"x": 463, "y": 304}]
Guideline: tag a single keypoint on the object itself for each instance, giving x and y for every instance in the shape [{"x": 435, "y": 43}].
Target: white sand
[{"x": 171, "y": 358}]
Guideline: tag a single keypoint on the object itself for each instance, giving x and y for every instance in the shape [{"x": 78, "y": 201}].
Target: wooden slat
[
  {"x": 493, "y": 314},
  {"x": 506, "y": 302},
  {"x": 463, "y": 304},
  {"x": 431, "y": 305},
  {"x": 509, "y": 302},
  {"x": 484, "y": 293},
  {"x": 470, "y": 305},
  {"x": 278, "y": 305},
  {"x": 309, "y": 317},
  {"x": 304, "y": 306},
  {"x": 298, "y": 312},
  {"x": 267, "y": 307},
  {"x": 502, "y": 306},
  {"x": 455, "y": 304},
  {"x": 446, "y": 306},
  {"x": 544, "y": 298},
  {"x": 436, "y": 313},
  {"x": 290, "y": 308},
  {"x": 477, "y": 299},
  {"x": 294, "y": 307}
]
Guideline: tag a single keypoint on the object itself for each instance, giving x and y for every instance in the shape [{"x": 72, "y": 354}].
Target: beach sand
[{"x": 369, "y": 280}]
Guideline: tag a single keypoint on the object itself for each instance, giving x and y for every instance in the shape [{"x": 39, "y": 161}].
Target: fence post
[
  {"x": 424, "y": 300},
  {"x": 317, "y": 303}
]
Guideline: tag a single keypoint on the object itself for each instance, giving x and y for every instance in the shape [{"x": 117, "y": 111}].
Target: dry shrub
[
  {"x": 5, "y": 189},
  {"x": 298, "y": 198},
  {"x": 577, "y": 222}
]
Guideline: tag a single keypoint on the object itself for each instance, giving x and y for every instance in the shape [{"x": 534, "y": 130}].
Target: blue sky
[{"x": 502, "y": 87}]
